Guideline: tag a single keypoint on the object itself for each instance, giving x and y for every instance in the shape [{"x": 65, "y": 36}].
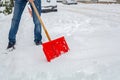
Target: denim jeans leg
[
  {"x": 37, "y": 28},
  {"x": 18, "y": 9}
]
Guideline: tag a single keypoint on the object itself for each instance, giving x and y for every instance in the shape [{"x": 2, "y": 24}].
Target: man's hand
[{"x": 31, "y": 1}]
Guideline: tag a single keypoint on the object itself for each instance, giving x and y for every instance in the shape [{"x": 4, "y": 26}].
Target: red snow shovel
[{"x": 53, "y": 48}]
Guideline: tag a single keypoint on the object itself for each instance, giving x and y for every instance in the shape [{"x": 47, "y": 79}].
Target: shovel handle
[{"x": 40, "y": 19}]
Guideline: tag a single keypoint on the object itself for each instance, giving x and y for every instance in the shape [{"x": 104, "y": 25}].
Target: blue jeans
[{"x": 18, "y": 10}]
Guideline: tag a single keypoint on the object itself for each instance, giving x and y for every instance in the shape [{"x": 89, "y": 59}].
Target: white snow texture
[{"x": 92, "y": 32}]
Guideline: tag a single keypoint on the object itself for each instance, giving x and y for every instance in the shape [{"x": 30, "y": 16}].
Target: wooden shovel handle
[{"x": 40, "y": 19}]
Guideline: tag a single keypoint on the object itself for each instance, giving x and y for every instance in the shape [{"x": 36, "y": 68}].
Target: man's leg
[
  {"x": 37, "y": 29},
  {"x": 18, "y": 9}
]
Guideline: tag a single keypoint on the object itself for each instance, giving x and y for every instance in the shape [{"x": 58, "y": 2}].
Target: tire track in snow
[{"x": 105, "y": 15}]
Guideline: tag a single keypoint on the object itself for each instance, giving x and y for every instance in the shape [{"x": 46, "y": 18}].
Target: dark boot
[
  {"x": 11, "y": 45},
  {"x": 38, "y": 43}
]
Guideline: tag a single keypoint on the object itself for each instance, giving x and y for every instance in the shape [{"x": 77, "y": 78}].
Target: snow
[
  {"x": 92, "y": 32},
  {"x": 107, "y": 0}
]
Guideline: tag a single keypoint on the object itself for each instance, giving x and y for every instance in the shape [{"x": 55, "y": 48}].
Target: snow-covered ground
[{"x": 92, "y": 32}]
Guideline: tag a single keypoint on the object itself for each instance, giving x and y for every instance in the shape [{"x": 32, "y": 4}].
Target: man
[{"x": 18, "y": 10}]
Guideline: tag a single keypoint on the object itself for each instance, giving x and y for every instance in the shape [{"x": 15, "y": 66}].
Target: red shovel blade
[{"x": 55, "y": 48}]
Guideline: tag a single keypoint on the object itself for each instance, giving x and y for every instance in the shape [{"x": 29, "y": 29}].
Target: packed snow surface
[{"x": 92, "y": 32}]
